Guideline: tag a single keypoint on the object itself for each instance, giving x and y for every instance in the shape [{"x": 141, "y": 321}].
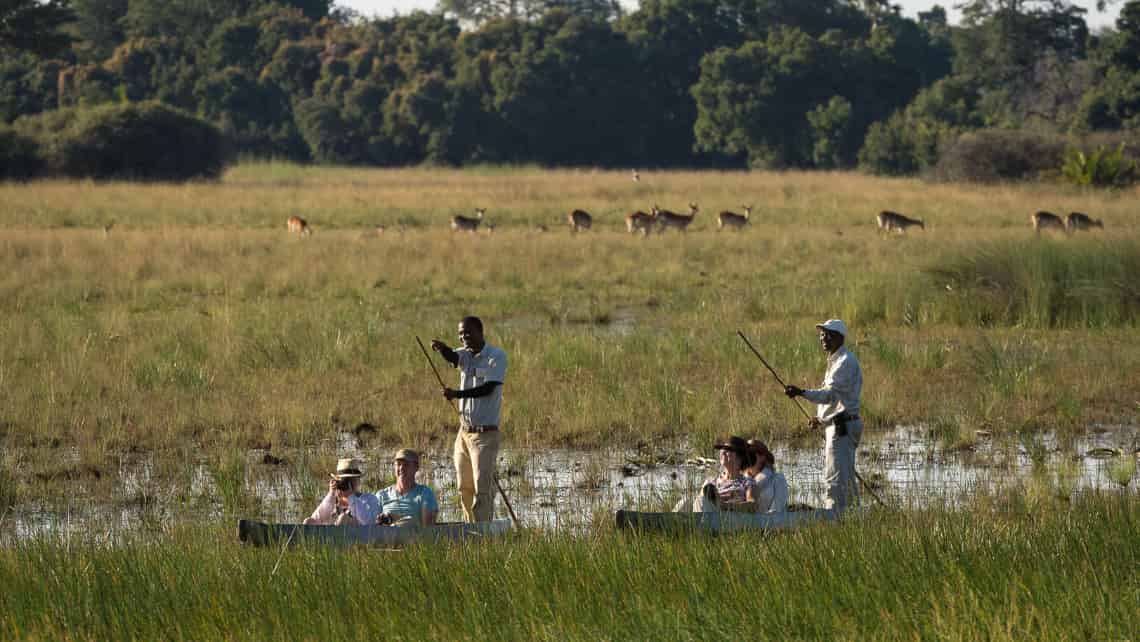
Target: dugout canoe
[
  {"x": 264, "y": 534},
  {"x": 721, "y": 522}
]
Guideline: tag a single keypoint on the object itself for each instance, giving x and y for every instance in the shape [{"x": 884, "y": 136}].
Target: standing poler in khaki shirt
[
  {"x": 482, "y": 370},
  {"x": 837, "y": 410}
]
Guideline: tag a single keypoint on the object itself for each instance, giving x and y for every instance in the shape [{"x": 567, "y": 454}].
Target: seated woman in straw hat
[
  {"x": 771, "y": 487},
  {"x": 345, "y": 504}
]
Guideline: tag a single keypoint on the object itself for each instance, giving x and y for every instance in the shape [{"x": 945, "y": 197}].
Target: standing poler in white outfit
[{"x": 837, "y": 410}]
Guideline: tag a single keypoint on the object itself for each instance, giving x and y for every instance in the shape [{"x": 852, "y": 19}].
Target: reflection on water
[{"x": 568, "y": 489}]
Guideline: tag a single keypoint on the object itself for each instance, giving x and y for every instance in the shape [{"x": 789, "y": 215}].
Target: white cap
[{"x": 835, "y": 325}]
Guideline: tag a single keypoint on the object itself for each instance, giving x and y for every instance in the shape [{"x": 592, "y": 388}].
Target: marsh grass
[
  {"x": 1122, "y": 469},
  {"x": 997, "y": 572},
  {"x": 198, "y": 327},
  {"x": 9, "y": 490},
  {"x": 1042, "y": 283}
]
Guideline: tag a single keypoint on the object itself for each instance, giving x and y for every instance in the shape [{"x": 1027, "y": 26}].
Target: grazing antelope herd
[{"x": 638, "y": 221}]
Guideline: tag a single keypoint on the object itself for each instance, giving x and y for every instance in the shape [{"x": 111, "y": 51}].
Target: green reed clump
[
  {"x": 1000, "y": 574},
  {"x": 228, "y": 473},
  {"x": 1040, "y": 283},
  {"x": 9, "y": 491},
  {"x": 1122, "y": 469}
]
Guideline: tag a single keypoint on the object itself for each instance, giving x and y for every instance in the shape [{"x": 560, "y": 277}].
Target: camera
[{"x": 344, "y": 484}]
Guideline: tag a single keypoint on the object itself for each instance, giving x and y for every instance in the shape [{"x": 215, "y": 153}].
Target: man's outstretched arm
[{"x": 445, "y": 351}]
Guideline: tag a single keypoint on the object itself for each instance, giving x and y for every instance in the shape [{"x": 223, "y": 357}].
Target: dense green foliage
[
  {"x": 141, "y": 141},
  {"x": 676, "y": 82},
  {"x": 34, "y": 25},
  {"x": 18, "y": 157},
  {"x": 1014, "y": 566}
]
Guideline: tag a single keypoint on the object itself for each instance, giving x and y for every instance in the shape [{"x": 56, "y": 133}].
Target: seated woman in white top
[
  {"x": 345, "y": 504},
  {"x": 771, "y": 487}
]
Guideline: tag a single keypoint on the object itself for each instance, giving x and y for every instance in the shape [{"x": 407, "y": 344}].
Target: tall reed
[{"x": 981, "y": 573}]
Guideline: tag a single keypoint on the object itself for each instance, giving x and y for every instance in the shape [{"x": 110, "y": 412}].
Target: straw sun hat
[{"x": 348, "y": 468}]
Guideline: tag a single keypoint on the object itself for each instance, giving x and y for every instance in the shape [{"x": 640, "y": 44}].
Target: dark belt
[
  {"x": 478, "y": 429},
  {"x": 841, "y": 420}
]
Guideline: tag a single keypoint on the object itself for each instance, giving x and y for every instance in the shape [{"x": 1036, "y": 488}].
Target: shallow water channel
[{"x": 568, "y": 490}]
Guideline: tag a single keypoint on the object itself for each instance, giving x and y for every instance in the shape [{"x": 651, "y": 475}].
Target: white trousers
[{"x": 839, "y": 465}]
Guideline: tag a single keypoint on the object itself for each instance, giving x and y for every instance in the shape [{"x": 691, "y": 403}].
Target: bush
[
  {"x": 888, "y": 149},
  {"x": 18, "y": 157},
  {"x": 1100, "y": 168},
  {"x": 142, "y": 141},
  {"x": 995, "y": 155},
  {"x": 910, "y": 140}
]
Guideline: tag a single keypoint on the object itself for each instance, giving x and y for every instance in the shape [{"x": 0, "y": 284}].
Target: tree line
[{"x": 728, "y": 83}]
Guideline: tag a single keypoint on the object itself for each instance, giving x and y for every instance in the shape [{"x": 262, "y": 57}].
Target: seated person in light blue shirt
[{"x": 406, "y": 502}]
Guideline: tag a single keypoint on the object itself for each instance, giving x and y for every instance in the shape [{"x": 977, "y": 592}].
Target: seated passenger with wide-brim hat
[
  {"x": 731, "y": 489},
  {"x": 407, "y": 503},
  {"x": 345, "y": 504}
]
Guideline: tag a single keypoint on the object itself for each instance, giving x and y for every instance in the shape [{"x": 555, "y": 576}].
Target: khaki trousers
[
  {"x": 475, "y": 455},
  {"x": 839, "y": 465}
]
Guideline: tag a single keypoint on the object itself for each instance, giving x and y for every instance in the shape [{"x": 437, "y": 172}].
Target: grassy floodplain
[
  {"x": 996, "y": 572},
  {"x": 196, "y": 326}
]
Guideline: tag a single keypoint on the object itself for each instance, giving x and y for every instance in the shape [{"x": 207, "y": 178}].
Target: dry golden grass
[
  {"x": 265, "y": 195},
  {"x": 198, "y": 324}
]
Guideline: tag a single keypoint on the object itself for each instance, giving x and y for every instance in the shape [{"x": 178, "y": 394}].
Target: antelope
[
  {"x": 466, "y": 223},
  {"x": 636, "y": 177},
  {"x": 895, "y": 222},
  {"x": 732, "y": 219},
  {"x": 1077, "y": 221},
  {"x": 666, "y": 219},
  {"x": 1046, "y": 221},
  {"x": 580, "y": 220},
  {"x": 298, "y": 225},
  {"x": 639, "y": 222},
  {"x": 107, "y": 229}
]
